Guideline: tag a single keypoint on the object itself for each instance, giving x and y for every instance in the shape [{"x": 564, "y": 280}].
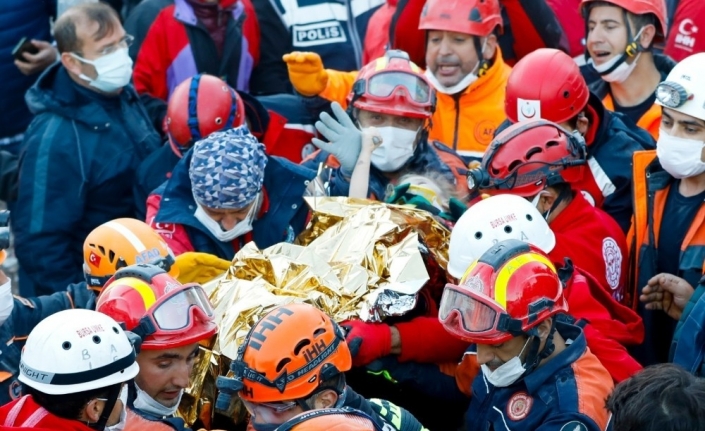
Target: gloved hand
[
  {"x": 200, "y": 267},
  {"x": 306, "y": 72},
  {"x": 367, "y": 341},
  {"x": 345, "y": 139}
]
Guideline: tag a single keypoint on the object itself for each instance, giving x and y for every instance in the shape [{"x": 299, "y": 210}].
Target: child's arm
[{"x": 360, "y": 179}]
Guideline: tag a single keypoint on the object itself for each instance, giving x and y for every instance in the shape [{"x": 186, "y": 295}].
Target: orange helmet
[
  {"x": 163, "y": 312},
  {"x": 200, "y": 106},
  {"x": 120, "y": 243},
  {"x": 637, "y": 7},
  {"x": 288, "y": 354},
  {"x": 527, "y": 157},
  {"x": 474, "y": 17},
  {"x": 393, "y": 85},
  {"x": 333, "y": 419},
  {"x": 509, "y": 290},
  {"x": 533, "y": 94}
]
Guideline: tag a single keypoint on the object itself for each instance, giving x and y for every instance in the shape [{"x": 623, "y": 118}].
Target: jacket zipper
[{"x": 456, "y": 98}]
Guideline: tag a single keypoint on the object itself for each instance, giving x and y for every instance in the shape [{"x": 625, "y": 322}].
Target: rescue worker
[
  {"x": 543, "y": 162},
  {"x": 527, "y": 368},
  {"x": 464, "y": 65},
  {"x": 171, "y": 319},
  {"x": 669, "y": 192},
  {"x": 74, "y": 368},
  {"x": 293, "y": 360},
  {"x": 107, "y": 248},
  {"x": 225, "y": 193},
  {"x": 525, "y": 351},
  {"x": 562, "y": 97},
  {"x": 620, "y": 35},
  {"x": 394, "y": 97}
]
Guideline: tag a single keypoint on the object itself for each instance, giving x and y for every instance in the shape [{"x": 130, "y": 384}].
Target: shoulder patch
[
  {"x": 574, "y": 426},
  {"x": 613, "y": 262}
]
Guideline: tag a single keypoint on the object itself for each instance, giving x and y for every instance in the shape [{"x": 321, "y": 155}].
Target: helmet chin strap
[
  {"x": 113, "y": 395},
  {"x": 534, "y": 357}
]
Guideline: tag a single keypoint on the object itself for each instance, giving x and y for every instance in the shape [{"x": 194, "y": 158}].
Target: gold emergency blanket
[{"x": 356, "y": 259}]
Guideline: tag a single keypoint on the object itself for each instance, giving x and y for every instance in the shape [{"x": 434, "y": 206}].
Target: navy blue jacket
[
  {"x": 688, "y": 345},
  {"x": 284, "y": 184},
  {"x": 425, "y": 159},
  {"x": 27, "y": 312},
  {"x": 18, "y": 19},
  {"x": 77, "y": 166}
]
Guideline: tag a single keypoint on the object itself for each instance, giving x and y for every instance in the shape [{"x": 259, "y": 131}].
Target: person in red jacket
[
  {"x": 74, "y": 368},
  {"x": 542, "y": 161},
  {"x": 687, "y": 33},
  {"x": 177, "y": 39}
]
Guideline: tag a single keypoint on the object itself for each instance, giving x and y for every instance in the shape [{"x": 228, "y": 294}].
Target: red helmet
[
  {"x": 393, "y": 85},
  {"x": 509, "y": 290},
  {"x": 200, "y": 106},
  {"x": 163, "y": 312},
  {"x": 557, "y": 96},
  {"x": 527, "y": 157},
  {"x": 474, "y": 17},
  {"x": 637, "y": 7}
]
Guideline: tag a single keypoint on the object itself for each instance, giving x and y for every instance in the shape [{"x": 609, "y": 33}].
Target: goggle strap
[{"x": 145, "y": 328}]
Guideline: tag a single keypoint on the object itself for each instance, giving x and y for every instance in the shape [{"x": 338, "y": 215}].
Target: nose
[
  {"x": 445, "y": 47},
  {"x": 229, "y": 221},
  {"x": 484, "y": 354},
  {"x": 182, "y": 374},
  {"x": 594, "y": 36}
]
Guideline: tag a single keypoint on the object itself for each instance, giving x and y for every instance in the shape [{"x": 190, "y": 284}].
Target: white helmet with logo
[
  {"x": 75, "y": 351},
  {"x": 492, "y": 220},
  {"x": 684, "y": 89}
]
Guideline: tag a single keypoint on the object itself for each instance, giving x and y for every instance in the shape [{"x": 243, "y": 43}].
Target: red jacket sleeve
[
  {"x": 149, "y": 74},
  {"x": 424, "y": 340},
  {"x": 251, "y": 30},
  {"x": 613, "y": 356}
]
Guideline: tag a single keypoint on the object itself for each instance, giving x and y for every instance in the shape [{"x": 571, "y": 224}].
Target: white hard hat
[
  {"x": 495, "y": 219},
  {"x": 77, "y": 350},
  {"x": 684, "y": 88}
]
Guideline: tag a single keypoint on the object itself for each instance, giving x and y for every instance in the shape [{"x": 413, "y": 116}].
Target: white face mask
[
  {"x": 507, "y": 373},
  {"x": 621, "y": 72},
  {"x": 123, "y": 416},
  {"x": 221, "y": 235},
  {"x": 680, "y": 157},
  {"x": 149, "y": 405},
  {"x": 396, "y": 149},
  {"x": 7, "y": 301},
  {"x": 114, "y": 71},
  {"x": 463, "y": 84}
]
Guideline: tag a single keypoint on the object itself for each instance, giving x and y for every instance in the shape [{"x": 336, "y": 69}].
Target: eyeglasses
[{"x": 125, "y": 42}]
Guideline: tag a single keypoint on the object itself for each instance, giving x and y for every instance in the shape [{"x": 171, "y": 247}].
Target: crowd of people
[{"x": 561, "y": 142}]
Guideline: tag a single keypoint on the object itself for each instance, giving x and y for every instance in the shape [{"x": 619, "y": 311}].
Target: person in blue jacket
[
  {"x": 226, "y": 192},
  {"x": 81, "y": 151},
  {"x": 528, "y": 367}
]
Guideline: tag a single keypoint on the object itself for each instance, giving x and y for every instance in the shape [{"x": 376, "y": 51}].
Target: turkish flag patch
[{"x": 94, "y": 259}]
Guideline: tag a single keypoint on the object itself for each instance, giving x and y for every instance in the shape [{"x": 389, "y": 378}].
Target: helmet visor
[
  {"x": 269, "y": 413},
  {"x": 175, "y": 312},
  {"x": 382, "y": 85},
  {"x": 467, "y": 312}
]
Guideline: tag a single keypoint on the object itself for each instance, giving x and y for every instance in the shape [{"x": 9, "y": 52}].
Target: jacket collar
[{"x": 537, "y": 378}]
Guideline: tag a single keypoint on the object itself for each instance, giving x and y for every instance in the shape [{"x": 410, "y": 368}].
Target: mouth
[
  {"x": 170, "y": 395},
  {"x": 600, "y": 56},
  {"x": 447, "y": 69}
]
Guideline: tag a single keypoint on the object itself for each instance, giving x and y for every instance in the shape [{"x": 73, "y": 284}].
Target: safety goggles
[
  {"x": 672, "y": 94},
  {"x": 478, "y": 315},
  {"x": 175, "y": 312},
  {"x": 383, "y": 85},
  {"x": 268, "y": 412}
]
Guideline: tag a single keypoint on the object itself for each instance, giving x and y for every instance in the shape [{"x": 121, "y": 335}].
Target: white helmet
[
  {"x": 492, "y": 220},
  {"x": 684, "y": 89},
  {"x": 75, "y": 351}
]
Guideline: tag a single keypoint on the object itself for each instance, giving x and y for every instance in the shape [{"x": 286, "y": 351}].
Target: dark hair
[
  {"x": 336, "y": 383},
  {"x": 636, "y": 22},
  {"x": 660, "y": 398},
  {"x": 65, "y": 27},
  {"x": 67, "y": 406}
]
